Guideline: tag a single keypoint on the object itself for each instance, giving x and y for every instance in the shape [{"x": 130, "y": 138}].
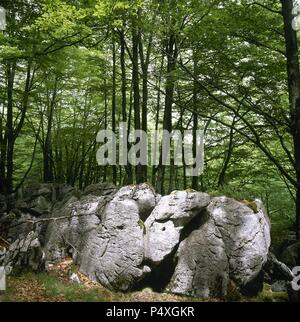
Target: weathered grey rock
[
  {"x": 114, "y": 251},
  {"x": 279, "y": 287},
  {"x": 202, "y": 269},
  {"x": 19, "y": 227},
  {"x": 291, "y": 255},
  {"x": 23, "y": 254},
  {"x": 246, "y": 235},
  {"x": 74, "y": 278},
  {"x": 100, "y": 189},
  {"x": 105, "y": 235},
  {"x": 36, "y": 190},
  {"x": 2, "y": 253},
  {"x": 56, "y": 246},
  {"x": 41, "y": 198},
  {"x": 118, "y": 236},
  {"x": 232, "y": 243},
  {"x": 276, "y": 270},
  {"x": 37, "y": 206},
  {"x": 167, "y": 220}
]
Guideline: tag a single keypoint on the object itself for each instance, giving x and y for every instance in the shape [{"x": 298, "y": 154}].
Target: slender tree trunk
[
  {"x": 136, "y": 93},
  {"x": 128, "y": 176},
  {"x": 293, "y": 72},
  {"x": 183, "y": 151},
  {"x": 105, "y": 123},
  {"x": 158, "y": 101},
  {"x": 124, "y": 80},
  {"x": 114, "y": 107},
  {"x": 221, "y": 180},
  {"x": 11, "y": 131},
  {"x": 48, "y": 155},
  {"x": 172, "y": 176},
  {"x": 2, "y": 153},
  {"x": 83, "y": 144},
  {"x": 195, "y": 179},
  {"x": 129, "y": 167},
  {"x": 10, "y": 128},
  {"x": 172, "y": 54},
  {"x": 145, "y": 65}
]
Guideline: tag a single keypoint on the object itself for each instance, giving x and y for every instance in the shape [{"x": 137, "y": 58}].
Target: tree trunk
[
  {"x": 195, "y": 179},
  {"x": 128, "y": 176},
  {"x": 105, "y": 123},
  {"x": 145, "y": 60},
  {"x": 172, "y": 54},
  {"x": 2, "y": 153},
  {"x": 114, "y": 107},
  {"x": 10, "y": 129},
  {"x": 221, "y": 180},
  {"x": 293, "y": 73},
  {"x": 158, "y": 101},
  {"x": 47, "y": 151},
  {"x": 136, "y": 93}
]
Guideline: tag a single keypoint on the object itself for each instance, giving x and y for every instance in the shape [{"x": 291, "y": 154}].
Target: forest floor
[{"x": 55, "y": 286}]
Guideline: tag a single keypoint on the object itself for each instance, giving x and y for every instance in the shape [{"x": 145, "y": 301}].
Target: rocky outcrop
[
  {"x": 23, "y": 254},
  {"x": 202, "y": 269},
  {"x": 246, "y": 235},
  {"x": 99, "y": 189},
  {"x": 127, "y": 237},
  {"x": 232, "y": 243},
  {"x": 291, "y": 255},
  {"x": 26, "y": 209},
  {"x": 114, "y": 252},
  {"x": 168, "y": 219},
  {"x": 105, "y": 235}
]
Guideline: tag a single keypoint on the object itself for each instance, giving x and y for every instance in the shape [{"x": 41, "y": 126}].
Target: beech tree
[{"x": 231, "y": 68}]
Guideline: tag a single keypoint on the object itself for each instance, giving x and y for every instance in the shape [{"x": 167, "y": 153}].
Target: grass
[
  {"x": 46, "y": 287},
  {"x": 55, "y": 286}
]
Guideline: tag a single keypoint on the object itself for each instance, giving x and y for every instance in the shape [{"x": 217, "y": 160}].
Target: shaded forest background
[{"x": 71, "y": 68}]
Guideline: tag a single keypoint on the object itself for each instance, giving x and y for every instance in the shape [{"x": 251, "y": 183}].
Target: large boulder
[
  {"x": 246, "y": 235},
  {"x": 105, "y": 235},
  {"x": 233, "y": 244},
  {"x": 167, "y": 221},
  {"x": 129, "y": 237},
  {"x": 202, "y": 269}
]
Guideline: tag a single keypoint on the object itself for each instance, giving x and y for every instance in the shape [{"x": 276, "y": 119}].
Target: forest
[{"x": 71, "y": 68}]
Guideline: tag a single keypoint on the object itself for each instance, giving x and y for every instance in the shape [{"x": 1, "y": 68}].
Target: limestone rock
[
  {"x": 291, "y": 255},
  {"x": 202, "y": 269},
  {"x": 114, "y": 251},
  {"x": 125, "y": 237},
  {"x": 105, "y": 234},
  {"x": 246, "y": 235},
  {"x": 100, "y": 189},
  {"x": 232, "y": 243},
  {"x": 74, "y": 278},
  {"x": 167, "y": 220},
  {"x": 23, "y": 254}
]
